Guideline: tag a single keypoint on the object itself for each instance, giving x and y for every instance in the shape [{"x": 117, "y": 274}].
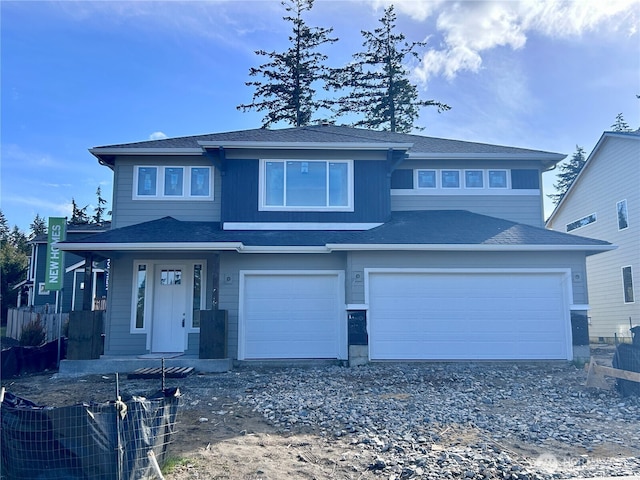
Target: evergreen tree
[
  {"x": 4, "y": 228},
  {"x": 78, "y": 215},
  {"x": 568, "y": 173},
  {"x": 38, "y": 226},
  {"x": 99, "y": 214},
  {"x": 19, "y": 240},
  {"x": 13, "y": 269},
  {"x": 378, "y": 81},
  {"x": 620, "y": 125},
  {"x": 286, "y": 86}
]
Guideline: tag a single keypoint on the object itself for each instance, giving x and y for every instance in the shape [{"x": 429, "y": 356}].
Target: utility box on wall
[
  {"x": 213, "y": 334},
  {"x": 358, "y": 338}
]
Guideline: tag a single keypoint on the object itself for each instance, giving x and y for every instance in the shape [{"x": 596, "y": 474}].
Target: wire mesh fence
[{"x": 124, "y": 439}]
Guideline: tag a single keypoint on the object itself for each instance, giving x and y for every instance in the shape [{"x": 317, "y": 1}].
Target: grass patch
[{"x": 173, "y": 462}]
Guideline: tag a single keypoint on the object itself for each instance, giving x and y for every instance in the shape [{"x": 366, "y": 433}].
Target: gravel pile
[{"x": 455, "y": 420}]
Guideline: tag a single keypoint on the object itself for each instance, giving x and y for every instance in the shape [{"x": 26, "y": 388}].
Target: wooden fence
[{"x": 18, "y": 318}]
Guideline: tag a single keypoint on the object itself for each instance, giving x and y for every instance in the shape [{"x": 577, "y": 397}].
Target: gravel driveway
[{"x": 452, "y": 420}]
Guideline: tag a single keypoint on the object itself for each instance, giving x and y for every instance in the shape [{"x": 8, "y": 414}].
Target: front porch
[{"x": 108, "y": 365}]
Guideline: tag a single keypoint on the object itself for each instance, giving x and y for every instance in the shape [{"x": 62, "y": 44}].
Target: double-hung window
[{"x": 306, "y": 185}]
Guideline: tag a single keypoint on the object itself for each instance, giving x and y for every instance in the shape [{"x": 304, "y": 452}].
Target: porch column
[{"x": 87, "y": 293}]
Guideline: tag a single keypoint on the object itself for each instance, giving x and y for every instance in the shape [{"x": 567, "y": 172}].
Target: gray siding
[
  {"x": 517, "y": 205},
  {"x": 525, "y": 209},
  {"x": 129, "y": 211},
  {"x": 612, "y": 175},
  {"x": 358, "y": 261}
]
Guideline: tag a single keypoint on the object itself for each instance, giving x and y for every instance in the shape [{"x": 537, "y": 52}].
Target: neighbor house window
[
  {"x": 450, "y": 178},
  {"x": 497, "y": 179},
  {"x": 140, "y": 288},
  {"x": 158, "y": 183},
  {"x": 627, "y": 285},
  {"x": 582, "y": 222},
  {"x": 623, "y": 215},
  {"x": 197, "y": 294},
  {"x": 307, "y": 185},
  {"x": 427, "y": 179},
  {"x": 474, "y": 179}
]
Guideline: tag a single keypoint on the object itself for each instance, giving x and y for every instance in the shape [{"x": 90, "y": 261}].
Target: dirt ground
[{"x": 218, "y": 438}]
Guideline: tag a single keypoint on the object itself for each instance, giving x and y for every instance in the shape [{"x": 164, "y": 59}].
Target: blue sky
[{"x": 547, "y": 75}]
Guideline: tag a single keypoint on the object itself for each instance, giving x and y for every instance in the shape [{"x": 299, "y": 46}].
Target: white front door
[{"x": 169, "y": 309}]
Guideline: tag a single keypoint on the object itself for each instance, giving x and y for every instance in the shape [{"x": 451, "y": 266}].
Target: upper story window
[
  {"x": 474, "y": 179},
  {"x": 434, "y": 181},
  {"x": 497, "y": 179},
  {"x": 306, "y": 185},
  {"x": 584, "y": 221},
  {"x": 623, "y": 215},
  {"x": 450, "y": 178},
  {"x": 164, "y": 183}
]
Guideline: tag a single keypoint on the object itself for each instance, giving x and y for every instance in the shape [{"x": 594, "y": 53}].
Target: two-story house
[
  {"x": 35, "y": 293},
  {"x": 439, "y": 242},
  {"x": 603, "y": 202}
]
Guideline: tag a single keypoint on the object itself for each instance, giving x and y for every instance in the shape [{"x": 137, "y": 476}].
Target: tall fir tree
[
  {"x": 568, "y": 173},
  {"x": 285, "y": 88},
  {"x": 38, "y": 226},
  {"x": 99, "y": 211},
  {"x": 78, "y": 215},
  {"x": 620, "y": 125},
  {"x": 4, "y": 228},
  {"x": 378, "y": 83}
]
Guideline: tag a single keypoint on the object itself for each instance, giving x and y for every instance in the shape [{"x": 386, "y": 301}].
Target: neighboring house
[
  {"x": 438, "y": 243},
  {"x": 34, "y": 293},
  {"x": 604, "y": 202}
]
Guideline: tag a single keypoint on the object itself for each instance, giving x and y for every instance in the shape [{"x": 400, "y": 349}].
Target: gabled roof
[
  {"x": 76, "y": 230},
  {"x": 635, "y": 135},
  {"x": 413, "y": 230},
  {"x": 325, "y": 136}
]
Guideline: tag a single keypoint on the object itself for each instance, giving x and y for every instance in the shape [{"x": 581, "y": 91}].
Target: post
[{"x": 87, "y": 293}]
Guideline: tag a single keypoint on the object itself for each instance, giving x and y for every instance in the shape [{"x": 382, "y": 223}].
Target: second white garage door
[
  {"x": 292, "y": 315},
  {"x": 468, "y": 315}
]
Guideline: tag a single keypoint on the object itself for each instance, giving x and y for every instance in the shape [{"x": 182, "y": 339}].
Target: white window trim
[
  {"x": 203, "y": 289},
  {"x": 416, "y": 178},
  {"x": 148, "y": 296},
  {"x": 624, "y": 300},
  {"x": 460, "y": 179},
  {"x": 626, "y": 207},
  {"x": 262, "y": 206},
  {"x": 186, "y": 183},
  {"x": 582, "y": 226},
  {"x": 507, "y": 183},
  {"x": 484, "y": 178}
]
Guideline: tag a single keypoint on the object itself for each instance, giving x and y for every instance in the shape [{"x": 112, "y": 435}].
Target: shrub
[{"x": 33, "y": 334}]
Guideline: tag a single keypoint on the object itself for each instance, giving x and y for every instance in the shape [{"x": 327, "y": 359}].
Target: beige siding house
[{"x": 604, "y": 203}]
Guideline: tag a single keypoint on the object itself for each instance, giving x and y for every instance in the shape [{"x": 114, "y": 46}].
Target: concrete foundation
[
  {"x": 358, "y": 355},
  {"x": 109, "y": 365}
]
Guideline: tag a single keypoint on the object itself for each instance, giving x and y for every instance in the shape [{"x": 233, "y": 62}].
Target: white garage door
[
  {"x": 292, "y": 315},
  {"x": 468, "y": 315}
]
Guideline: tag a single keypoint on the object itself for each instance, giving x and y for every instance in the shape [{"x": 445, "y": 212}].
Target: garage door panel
[
  {"x": 291, "y": 316},
  {"x": 467, "y": 316}
]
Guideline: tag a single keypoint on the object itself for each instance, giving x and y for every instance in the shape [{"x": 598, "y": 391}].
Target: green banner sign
[{"x": 54, "y": 274}]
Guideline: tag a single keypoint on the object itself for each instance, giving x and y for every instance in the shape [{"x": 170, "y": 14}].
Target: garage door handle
[{"x": 183, "y": 320}]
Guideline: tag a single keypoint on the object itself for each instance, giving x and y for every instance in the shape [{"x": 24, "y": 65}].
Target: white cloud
[
  {"x": 157, "y": 136},
  {"x": 471, "y": 28}
]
